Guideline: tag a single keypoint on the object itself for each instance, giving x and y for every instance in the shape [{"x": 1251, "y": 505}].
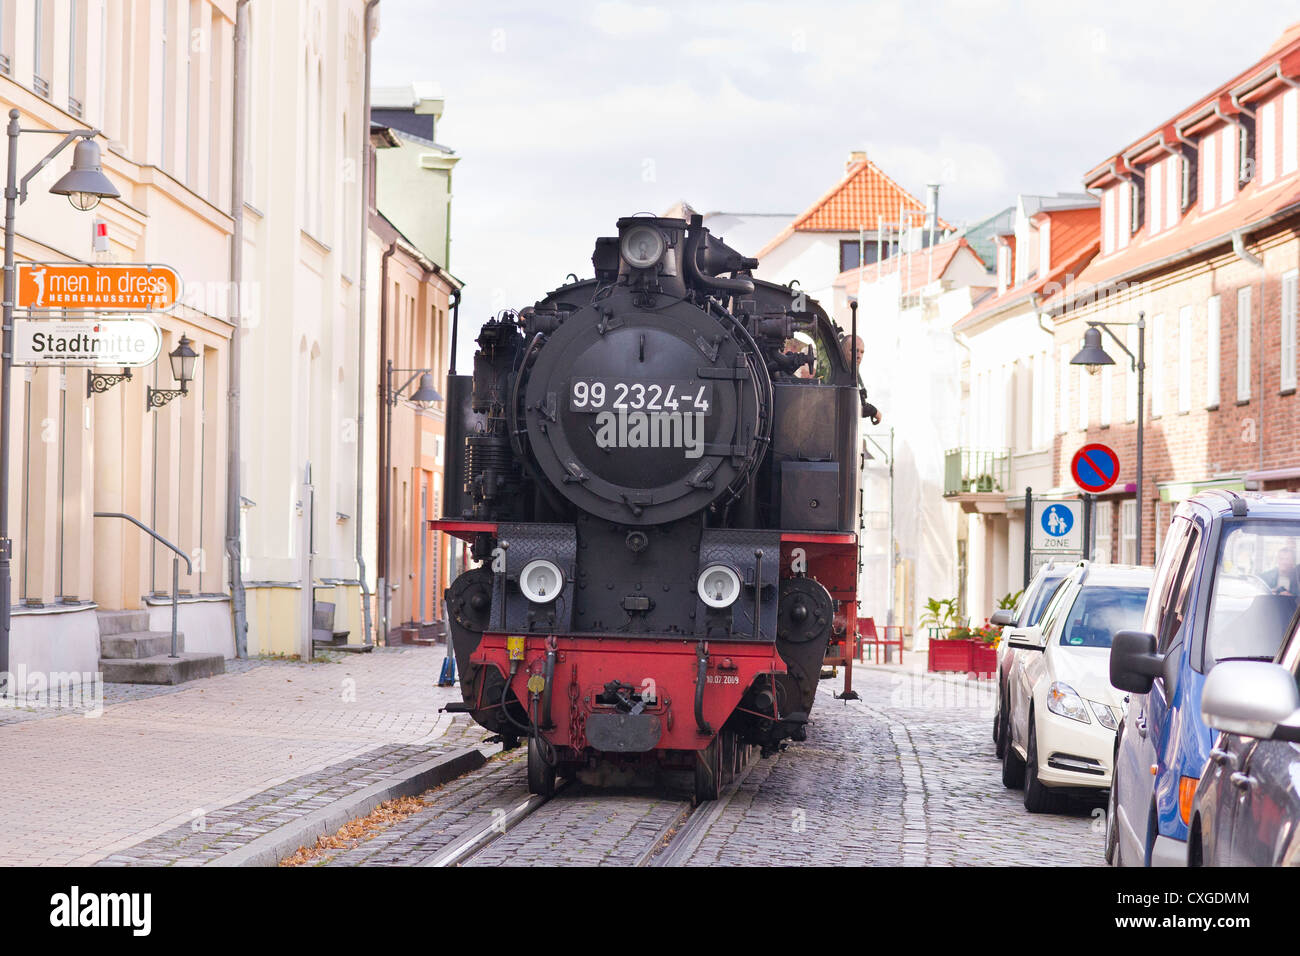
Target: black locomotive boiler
[{"x": 657, "y": 470}]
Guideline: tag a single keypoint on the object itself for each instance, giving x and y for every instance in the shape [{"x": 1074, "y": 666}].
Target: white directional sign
[
  {"x": 92, "y": 342},
  {"x": 1057, "y": 527}
]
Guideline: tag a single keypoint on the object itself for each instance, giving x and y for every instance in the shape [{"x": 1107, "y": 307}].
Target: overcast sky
[{"x": 568, "y": 115}]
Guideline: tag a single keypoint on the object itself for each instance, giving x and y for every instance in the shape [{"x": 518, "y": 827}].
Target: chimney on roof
[
  {"x": 931, "y": 211},
  {"x": 856, "y": 158}
]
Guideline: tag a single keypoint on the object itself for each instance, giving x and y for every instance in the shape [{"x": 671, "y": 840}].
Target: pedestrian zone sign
[{"x": 1058, "y": 527}]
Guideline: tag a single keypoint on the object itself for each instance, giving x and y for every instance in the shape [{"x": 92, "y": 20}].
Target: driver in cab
[{"x": 1283, "y": 578}]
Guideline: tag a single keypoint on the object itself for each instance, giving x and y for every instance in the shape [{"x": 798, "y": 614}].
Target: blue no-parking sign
[{"x": 1095, "y": 467}]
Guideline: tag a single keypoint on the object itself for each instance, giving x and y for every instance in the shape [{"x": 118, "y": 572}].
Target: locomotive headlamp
[
  {"x": 643, "y": 246},
  {"x": 719, "y": 586},
  {"x": 541, "y": 581}
]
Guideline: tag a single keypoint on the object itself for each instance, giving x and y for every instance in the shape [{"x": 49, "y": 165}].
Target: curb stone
[{"x": 270, "y": 848}]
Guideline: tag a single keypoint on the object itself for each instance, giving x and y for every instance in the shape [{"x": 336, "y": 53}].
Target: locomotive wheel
[
  {"x": 708, "y": 772},
  {"x": 730, "y": 757},
  {"x": 541, "y": 775}
]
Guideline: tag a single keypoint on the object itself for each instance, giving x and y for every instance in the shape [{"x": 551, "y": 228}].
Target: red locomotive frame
[{"x": 585, "y": 663}]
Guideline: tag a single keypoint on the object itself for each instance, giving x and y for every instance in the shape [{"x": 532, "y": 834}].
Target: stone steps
[
  {"x": 162, "y": 669},
  {"x": 137, "y": 644},
  {"x": 130, "y": 653}
]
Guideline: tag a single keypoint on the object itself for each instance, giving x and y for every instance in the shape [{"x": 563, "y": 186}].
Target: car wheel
[
  {"x": 1000, "y": 727},
  {"x": 997, "y": 722},
  {"x": 1038, "y": 798},
  {"x": 1013, "y": 768},
  {"x": 1112, "y": 827}
]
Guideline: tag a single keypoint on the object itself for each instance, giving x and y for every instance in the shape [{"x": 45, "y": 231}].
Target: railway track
[{"x": 673, "y": 844}]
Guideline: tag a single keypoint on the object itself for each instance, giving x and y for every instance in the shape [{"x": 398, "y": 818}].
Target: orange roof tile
[
  {"x": 1197, "y": 233},
  {"x": 1284, "y": 53},
  {"x": 864, "y": 197},
  {"x": 1073, "y": 247},
  {"x": 857, "y": 201}
]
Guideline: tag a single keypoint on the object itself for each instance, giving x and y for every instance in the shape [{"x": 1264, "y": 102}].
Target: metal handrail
[{"x": 176, "y": 571}]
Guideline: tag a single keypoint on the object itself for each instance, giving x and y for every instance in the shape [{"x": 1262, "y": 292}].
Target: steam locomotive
[{"x": 657, "y": 471}]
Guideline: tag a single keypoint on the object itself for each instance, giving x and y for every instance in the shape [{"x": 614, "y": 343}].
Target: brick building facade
[{"x": 1200, "y": 223}]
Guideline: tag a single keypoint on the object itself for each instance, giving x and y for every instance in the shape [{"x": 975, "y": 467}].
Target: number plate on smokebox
[{"x": 603, "y": 394}]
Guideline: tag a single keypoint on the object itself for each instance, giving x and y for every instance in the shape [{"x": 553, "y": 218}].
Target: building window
[
  {"x": 1173, "y": 190},
  {"x": 850, "y": 254},
  {"x": 1158, "y": 366},
  {"x": 1103, "y": 515},
  {"x": 1245, "y": 151},
  {"x": 1243, "y": 344},
  {"x": 1107, "y": 385},
  {"x": 1131, "y": 390},
  {"x": 1190, "y": 179},
  {"x": 1209, "y": 162},
  {"x": 1212, "y": 347},
  {"x": 1109, "y": 200},
  {"x": 1228, "y": 154},
  {"x": 42, "y": 46},
  {"x": 1289, "y": 123},
  {"x": 1124, "y": 205},
  {"x": 1065, "y": 390},
  {"x": 1136, "y": 191},
  {"x": 1288, "y": 329},
  {"x": 76, "y": 57},
  {"x": 1185, "y": 359},
  {"x": 6, "y": 37},
  {"x": 1154, "y": 219},
  {"x": 1267, "y": 142},
  {"x": 1128, "y": 532}
]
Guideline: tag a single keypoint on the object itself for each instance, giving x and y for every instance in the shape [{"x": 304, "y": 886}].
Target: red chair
[{"x": 866, "y": 636}]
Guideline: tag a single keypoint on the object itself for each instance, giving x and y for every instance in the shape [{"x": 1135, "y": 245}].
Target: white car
[
  {"x": 1027, "y": 612},
  {"x": 1062, "y": 711}
]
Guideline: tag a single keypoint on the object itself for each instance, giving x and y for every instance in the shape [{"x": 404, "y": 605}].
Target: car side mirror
[
  {"x": 1134, "y": 663},
  {"x": 1027, "y": 639},
  {"x": 1252, "y": 698},
  {"x": 1002, "y": 617}
]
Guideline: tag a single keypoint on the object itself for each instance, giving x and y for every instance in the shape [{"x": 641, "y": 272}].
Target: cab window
[{"x": 1256, "y": 589}]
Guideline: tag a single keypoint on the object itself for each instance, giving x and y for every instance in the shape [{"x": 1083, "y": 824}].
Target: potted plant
[
  {"x": 951, "y": 645},
  {"x": 984, "y": 654}
]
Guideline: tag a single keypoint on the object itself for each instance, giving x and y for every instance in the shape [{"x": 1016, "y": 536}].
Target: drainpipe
[
  {"x": 385, "y": 434},
  {"x": 234, "y": 544},
  {"x": 1244, "y": 254},
  {"x": 1248, "y": 257},
  {"x": 361, "y": 340}
]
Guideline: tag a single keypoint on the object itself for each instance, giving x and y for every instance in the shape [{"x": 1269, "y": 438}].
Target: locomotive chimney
[{"x": 856, "y": 158}]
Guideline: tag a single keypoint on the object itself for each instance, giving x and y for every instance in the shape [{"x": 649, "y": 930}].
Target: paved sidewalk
[{"x": 80, "y": 789}]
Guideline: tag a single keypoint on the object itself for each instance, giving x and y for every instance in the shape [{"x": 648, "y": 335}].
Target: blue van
[{"x": 1226, "y": 587}]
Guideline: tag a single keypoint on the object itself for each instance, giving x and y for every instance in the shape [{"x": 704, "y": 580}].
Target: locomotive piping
[
  {"x": 693, "y": 237},
  {"x": 701, "y": 669}
]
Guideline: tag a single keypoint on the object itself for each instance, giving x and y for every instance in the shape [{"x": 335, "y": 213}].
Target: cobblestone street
[
  {"x": 904, "y": 776},
  {"x": 187, "y": 776}
]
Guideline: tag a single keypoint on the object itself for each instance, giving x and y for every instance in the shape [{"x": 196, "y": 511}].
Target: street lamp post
[
  {"x": 84, "y": 185},
  {"x": 1093, "y": 356},
  {"x": 424, "y": 395}
]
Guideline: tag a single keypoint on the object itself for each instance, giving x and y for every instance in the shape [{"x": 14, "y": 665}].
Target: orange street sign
[{"x": 97, "y": 287}]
